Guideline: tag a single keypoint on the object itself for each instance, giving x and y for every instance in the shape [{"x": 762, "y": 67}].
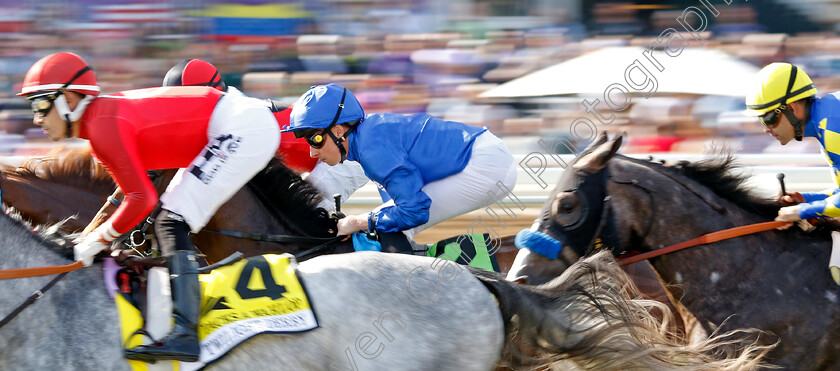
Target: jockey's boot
[{"x": 182, "y": 343}]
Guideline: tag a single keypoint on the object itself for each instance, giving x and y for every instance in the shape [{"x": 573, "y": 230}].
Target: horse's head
[
  {"x": 622, "y": 203},
  {"x": 572, "y": 220}
]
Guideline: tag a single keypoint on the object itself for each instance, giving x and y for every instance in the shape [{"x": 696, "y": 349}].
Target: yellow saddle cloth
[{"x": 252, "y": 296}]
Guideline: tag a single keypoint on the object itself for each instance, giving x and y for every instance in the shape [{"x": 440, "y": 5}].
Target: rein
[
  {"x": 704, "y": 239},
  {"x": 39, "y": 271},
  {"x": 280, "y": 238},
  {"x": 61, "y": 270},
  {"x": 32, "y": 298}
]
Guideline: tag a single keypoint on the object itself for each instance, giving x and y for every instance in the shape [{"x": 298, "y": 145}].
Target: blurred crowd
[{"x": 412, "y": 56}]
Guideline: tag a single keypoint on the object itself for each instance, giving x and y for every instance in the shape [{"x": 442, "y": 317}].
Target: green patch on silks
[{"x": 467, "y": 249}]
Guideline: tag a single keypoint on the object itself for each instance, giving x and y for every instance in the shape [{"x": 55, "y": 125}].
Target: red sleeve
[
  {"x": 113, "y": 142},
  {"x": 293, "y": 151}
]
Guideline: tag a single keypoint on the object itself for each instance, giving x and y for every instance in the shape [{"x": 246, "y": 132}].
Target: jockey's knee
[{"x": 173, "y": 233}]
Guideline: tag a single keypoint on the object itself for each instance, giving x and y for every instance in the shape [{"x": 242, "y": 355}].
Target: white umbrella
[{"x": 693, "y": 71}]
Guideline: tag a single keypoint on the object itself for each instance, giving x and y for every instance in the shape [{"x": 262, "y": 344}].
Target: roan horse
[
  {"x": 432, "y": 314},
  {"x": 775, "y": 281},
  {"x": 68, "y": 183}
]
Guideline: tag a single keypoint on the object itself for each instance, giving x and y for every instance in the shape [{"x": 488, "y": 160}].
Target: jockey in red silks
[
  {"x": 343, "y": 179},
  {"x": 218, "y": 140}
]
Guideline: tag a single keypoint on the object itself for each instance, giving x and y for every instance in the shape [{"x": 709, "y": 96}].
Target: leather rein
[
  {"x": 630, "y": 258},
  {"x": 704, "y": 239}
]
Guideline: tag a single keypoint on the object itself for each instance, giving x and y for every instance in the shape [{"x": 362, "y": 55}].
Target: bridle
[
  {"x": 624, "y": 258},
  {"x": 595, "y": 228}
]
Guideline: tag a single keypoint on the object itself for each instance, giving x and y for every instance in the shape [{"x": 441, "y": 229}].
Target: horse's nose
[{"x": 522, "y": 280}]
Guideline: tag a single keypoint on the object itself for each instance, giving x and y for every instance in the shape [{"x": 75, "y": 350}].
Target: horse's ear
[
  {"x": 598, "y": 157},
  {"x": 601, "y": 139}
]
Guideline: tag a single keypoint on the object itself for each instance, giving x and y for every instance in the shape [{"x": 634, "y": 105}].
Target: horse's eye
[
  {"x": 567, "y": 205},
  {"x": 566, "y": 209}
]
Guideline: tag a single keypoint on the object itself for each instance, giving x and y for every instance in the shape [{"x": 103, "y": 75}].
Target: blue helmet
[{"x": 323, "y": 106}]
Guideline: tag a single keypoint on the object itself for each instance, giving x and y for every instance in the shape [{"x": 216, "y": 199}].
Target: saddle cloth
[
  {"x": 467, "y": 249},
  {"x": 252, "y": 296}
]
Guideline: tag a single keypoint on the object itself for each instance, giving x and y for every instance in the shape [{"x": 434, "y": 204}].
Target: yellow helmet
[{"x": 777, "y": 85}]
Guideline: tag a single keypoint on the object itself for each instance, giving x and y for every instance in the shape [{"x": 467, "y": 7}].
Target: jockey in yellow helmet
[{"x": 784, "y": 99}]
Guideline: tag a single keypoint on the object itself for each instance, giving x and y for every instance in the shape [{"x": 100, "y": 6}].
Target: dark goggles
[
  {"x": 316, "y": 138},
  {"x": 771, "y": 119},
  {"x": 43, "y": 104}
]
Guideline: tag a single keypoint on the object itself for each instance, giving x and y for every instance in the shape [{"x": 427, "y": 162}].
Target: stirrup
[
  {"x": 158, "y": 351},
  {"x": 142, "y": 332}
]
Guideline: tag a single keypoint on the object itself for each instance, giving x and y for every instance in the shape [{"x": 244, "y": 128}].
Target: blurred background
[{"x": 527, "y": 69}]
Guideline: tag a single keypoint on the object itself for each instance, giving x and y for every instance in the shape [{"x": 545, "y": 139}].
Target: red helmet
[
  {"x": 194, "y": 72},
  {"x": 60, "y": 71}
]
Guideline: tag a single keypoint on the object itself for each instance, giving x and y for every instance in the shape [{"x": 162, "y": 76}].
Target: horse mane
[
  {"x": 50, "y": 235},
  {"x": 293, "y": 198},
  {"x": 717, "y": 174},
  {"x": 595, "y": 318},
  {"x": 74, "y": 167}
]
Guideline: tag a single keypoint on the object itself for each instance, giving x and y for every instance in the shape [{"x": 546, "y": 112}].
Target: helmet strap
[
  {"x": 71, "y": 116},
  {"x": 797, "y": 124},
  {"x": 339, "y": 142},
  {"x": 795, "y": 121}
]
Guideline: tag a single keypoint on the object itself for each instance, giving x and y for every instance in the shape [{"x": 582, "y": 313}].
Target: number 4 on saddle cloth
[{"x": 252, "y": 296}]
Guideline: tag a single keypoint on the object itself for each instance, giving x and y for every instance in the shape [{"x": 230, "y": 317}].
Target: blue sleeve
[
  {"x": 390, "y": 167},
  {"x": 829, "y": 207},
  {"x": 816, "y": 196}
]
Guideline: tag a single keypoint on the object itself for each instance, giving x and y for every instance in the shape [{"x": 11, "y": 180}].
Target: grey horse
[{"x": 377, "y": 312}]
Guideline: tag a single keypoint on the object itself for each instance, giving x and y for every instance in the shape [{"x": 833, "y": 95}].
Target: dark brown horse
[
  {"x": 276, "y": 202},
  {"x": 67, "y": 183},
  {"x": 775, "y": 281}
]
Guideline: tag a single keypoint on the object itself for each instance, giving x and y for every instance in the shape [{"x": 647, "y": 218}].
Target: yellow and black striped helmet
[{"x": 776, "y": 85}]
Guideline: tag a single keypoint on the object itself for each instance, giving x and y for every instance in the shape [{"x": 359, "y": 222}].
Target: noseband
[{"x": 594, "y": 229}]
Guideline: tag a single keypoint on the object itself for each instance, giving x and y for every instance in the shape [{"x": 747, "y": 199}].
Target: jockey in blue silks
[{"x": 431, "y": 169}]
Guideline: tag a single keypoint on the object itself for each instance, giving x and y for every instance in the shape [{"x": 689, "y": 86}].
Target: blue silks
[{"x": 361, "y": 242}]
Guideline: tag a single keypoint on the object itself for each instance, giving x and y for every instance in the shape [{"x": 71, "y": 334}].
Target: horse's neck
[
  {"x": 61, "y": 323},
  {"x": 673, "y": 196},
  {"x": 46, "y": 201}
]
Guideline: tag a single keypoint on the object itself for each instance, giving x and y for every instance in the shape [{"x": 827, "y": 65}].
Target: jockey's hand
[
  {"x": 788, "y": 214},
  {"x": 352, "y": 224},
  {"x": 791, "y": 197},
  {"x": 93, "y": 243},
  {"x": 88, "y": 247}
]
